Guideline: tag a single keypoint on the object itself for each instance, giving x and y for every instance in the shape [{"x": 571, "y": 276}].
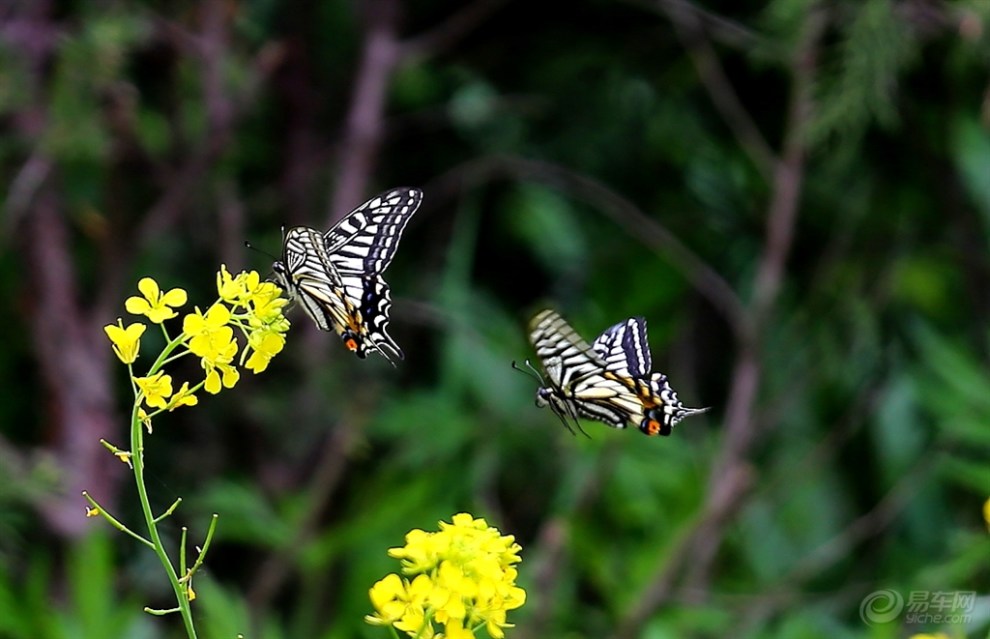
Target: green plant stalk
[{"x": 137, "y": 460}]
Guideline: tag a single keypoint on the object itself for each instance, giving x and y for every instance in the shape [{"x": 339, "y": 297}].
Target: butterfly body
[
  {"x": 609, "y": 381},
  {"x": 337, "y": 276}
]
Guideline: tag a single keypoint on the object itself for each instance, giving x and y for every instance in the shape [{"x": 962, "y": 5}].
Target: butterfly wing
[
  {"x": 564, "y": 353},
  {"x": 576, "y": 373},
  {"x": 310, "y": 279},
  {"x": 625, "y": 349},
  {"x": 360, "y": 247},
  {"x": 609, "y": 381},
  {"x": 365, "y": 241},
  {"x": 663, "y": 410}
]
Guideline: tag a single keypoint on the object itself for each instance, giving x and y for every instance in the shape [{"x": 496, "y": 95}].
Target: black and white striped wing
[
  {"x": 577, "y": 374},
  {"x": 564, "y": 354},
  {"x": 310, "y": 279},
  {"x": 364, "y": 242},
  {"x": 625, "y": 349},
  {"x": 360, "y": 247},
  {"x": 669, "y": 410}
]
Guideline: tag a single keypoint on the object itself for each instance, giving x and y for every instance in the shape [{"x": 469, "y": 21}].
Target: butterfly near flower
[
  {"x": 337, "y": 276},
  {"x": 609, "y": 381}
]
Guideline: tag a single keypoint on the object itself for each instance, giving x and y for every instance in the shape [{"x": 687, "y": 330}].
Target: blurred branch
[
  {"x": 24, "y": 187},
  {"x": 731, "y": 474},
  {"x": 224, "y": 110},
  {"x": 274, "y": 571},
  {"x": 74, "y": 366},
  {"x": 382, "y": 53},
  {"x": 713, "y": 25},
  {"x": 230, "y": 222},
  {"x": 450, "y": 31},
  {"x": 840, "y": 547},
  {"x": 364, "y": 124},
  {"x": 690, "y": 30},
  {"x": 627, "y": 215},
  {"x": 781, "y": 216},
  {"x": 553, "y": 538}
]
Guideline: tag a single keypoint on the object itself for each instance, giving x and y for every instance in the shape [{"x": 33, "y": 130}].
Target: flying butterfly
[
  {"x": 609, "y": 381},
  {"x": 337, "y": 276}
]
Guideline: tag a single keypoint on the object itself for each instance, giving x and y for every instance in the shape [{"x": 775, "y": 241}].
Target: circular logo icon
[{"x": 881, "y": 606}]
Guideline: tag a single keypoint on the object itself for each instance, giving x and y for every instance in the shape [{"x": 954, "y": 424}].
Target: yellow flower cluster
[
  {"x": 246, "y": 303},
  {"x": 461, "y": 578}
]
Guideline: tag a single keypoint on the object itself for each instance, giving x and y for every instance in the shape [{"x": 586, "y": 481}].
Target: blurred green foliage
[{"x": 873, "y": 410}]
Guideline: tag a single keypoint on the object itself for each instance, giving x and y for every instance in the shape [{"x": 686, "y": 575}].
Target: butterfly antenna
[
  {"x": 263, "y": 252},
  {"x": 532, "y": 372}
]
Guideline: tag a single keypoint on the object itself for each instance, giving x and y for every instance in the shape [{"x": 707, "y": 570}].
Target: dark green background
[{"x": 795, "y": 195}]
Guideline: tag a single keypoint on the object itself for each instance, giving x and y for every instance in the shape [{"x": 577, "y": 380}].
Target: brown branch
[
  {"x": 364, "y": 125},
  {"x": 731, "y": 474},
  {"x": 455, "y": 28},
  {"x": 840, "y": 546},
  {"x": 382, "y": 52},
  {"x": 717, "y": 27},
  {"x": 74, "y": 366},
  {"x": 689, "y": 29},
  {"x": 274, "y": 571},
  {"x": 224, "y": 111},
  {"x": 781, "y": 216},
  {"x": 230, "y": 223},
  {"x": 25, "y": 186},
  {"x": 627, "y": 215},
  {"x": 553, "y": 539}
]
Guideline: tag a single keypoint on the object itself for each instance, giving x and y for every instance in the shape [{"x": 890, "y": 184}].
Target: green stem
[
  {"x": 171, "y": 509},
  {"x": 113, "y": 521},
  {"x": 202, "y": 551},
  {"x": 137, "y": 450}
]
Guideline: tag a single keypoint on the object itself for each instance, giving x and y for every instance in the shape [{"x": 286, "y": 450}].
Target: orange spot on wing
[
  {"x": 652, "y": 427},
  {"x": 351, "y": 344}
]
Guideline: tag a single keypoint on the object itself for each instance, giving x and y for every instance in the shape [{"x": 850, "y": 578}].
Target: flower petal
[
  {"x": 137, "y": 305},
  {"x": 175, "y": 297},
  {"x": 149, "y": 288}
]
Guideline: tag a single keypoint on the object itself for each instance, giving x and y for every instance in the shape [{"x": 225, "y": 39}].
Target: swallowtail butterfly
[
  {"x": 609, "y": 381},
  {"x": 337, "y": 276}
]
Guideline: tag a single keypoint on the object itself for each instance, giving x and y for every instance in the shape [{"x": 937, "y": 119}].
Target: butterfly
[
  {"x": 609, "y": 381},
  {"x": 337, "y": 276}
]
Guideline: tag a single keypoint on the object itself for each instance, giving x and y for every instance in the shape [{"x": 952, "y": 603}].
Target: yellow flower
[
  {"x": 156, "y": 389},
  {"x": 266, "y": 304},
  {"x": 155, "y": 304},
  {"x": 126, "y": 341},
  {"x": 183, "y": 398},
  {"x": 454, "y": 630},
  {"x": 388, "y": 598},
  {"x": 92, "y": 512},
  {"x": 463, "y": 579},
  {"x": 937, "y": 635},
  {"x": 219, "y": 369},
  {"x": 209, "y": 334},
  {"x": 190, "y": 593},
  {"x": 986, "y": 513},
  {"x": 266, "y": 345},
  {"x": 229, "y": 288}
]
